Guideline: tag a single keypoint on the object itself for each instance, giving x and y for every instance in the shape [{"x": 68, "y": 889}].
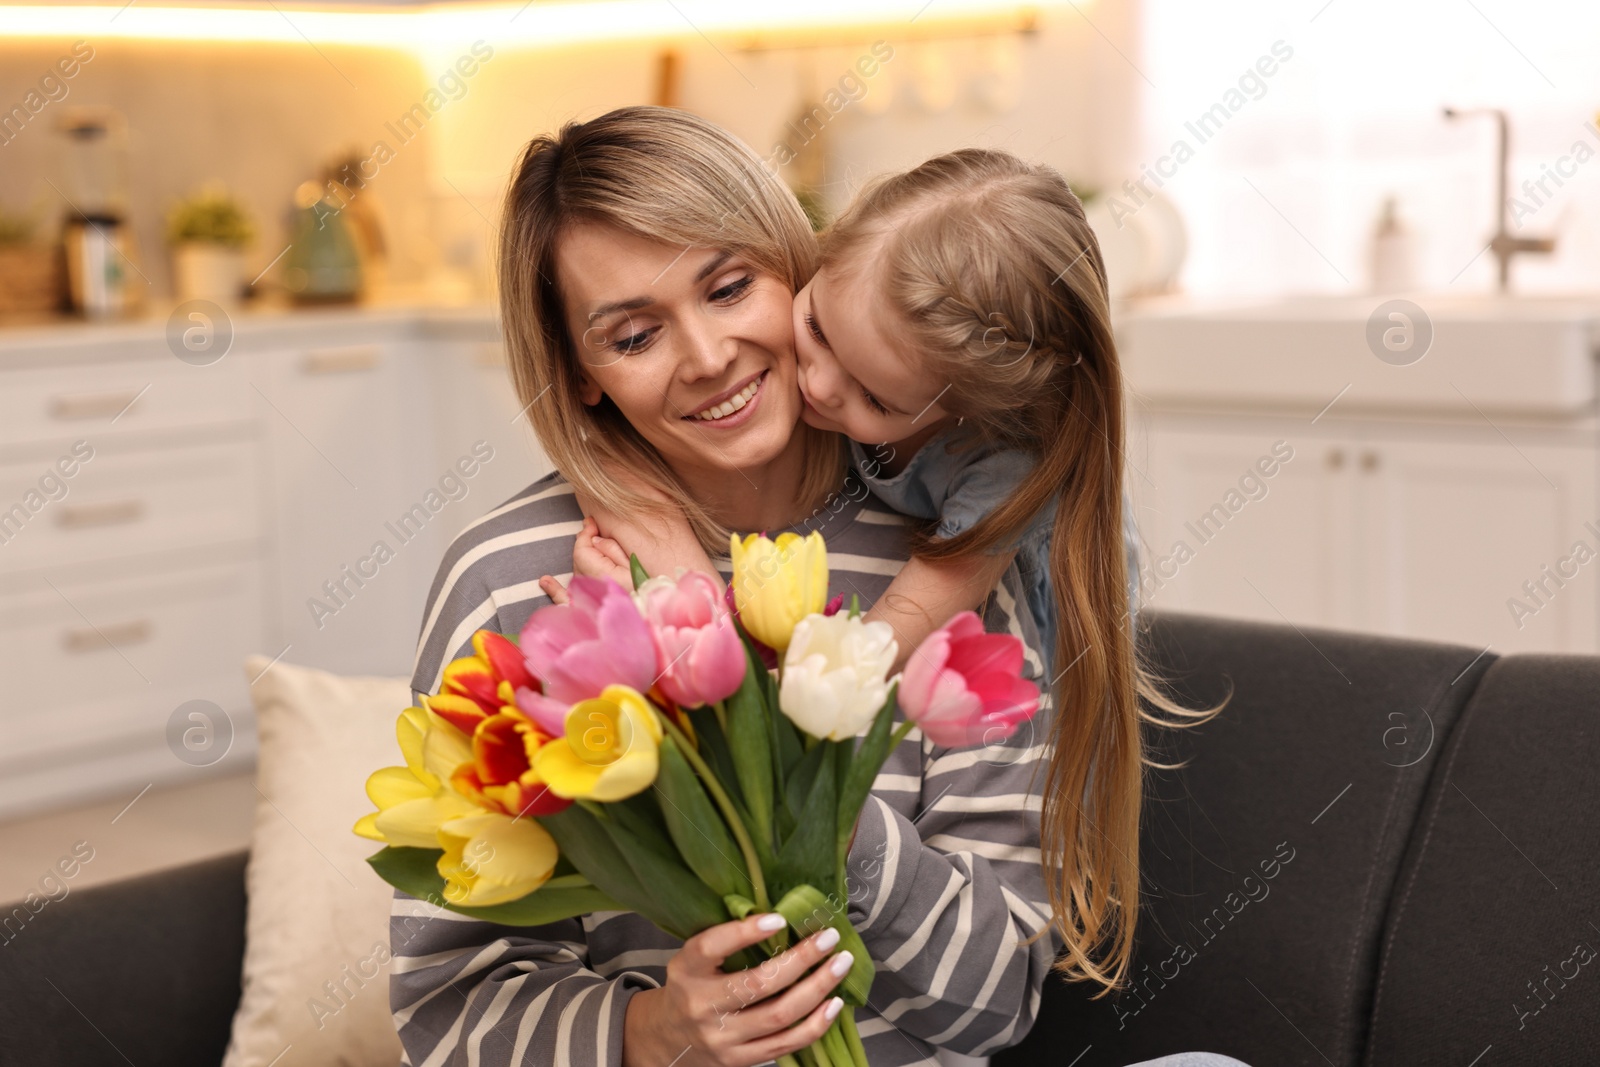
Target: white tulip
[{"x": 835, "y": 674}]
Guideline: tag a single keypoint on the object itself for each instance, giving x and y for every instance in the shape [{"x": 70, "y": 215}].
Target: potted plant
[
  {"x": 30, "y": 272},
  {"x": 208, "y": 232}
]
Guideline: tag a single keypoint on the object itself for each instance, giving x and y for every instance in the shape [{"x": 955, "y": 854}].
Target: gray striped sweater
[{"x": 944, "y": 878}]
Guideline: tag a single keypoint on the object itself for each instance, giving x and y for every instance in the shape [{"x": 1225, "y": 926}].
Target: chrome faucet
[{"x": 1503, "y": 244}]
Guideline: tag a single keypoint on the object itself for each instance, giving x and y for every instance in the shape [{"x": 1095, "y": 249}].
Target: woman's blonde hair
[
  {"x": 994, "y": 279},
  {"x": 664, "y": 175}
]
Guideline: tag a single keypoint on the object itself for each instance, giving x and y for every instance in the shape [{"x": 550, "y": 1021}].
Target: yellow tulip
[
  {"x": 778, "y": 583},
  {"x": 491, "y": 858},
  {"x": 413, "y": 801},
  {"x": 610, "y": 751}
]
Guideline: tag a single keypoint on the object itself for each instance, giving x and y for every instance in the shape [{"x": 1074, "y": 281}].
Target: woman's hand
[{"x": 707, "y": 1017}]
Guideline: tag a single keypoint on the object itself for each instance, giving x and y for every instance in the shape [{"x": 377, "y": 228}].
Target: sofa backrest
[
  {"x": 1492, "y": 955},
  {"x": 143, "y": 971},
  {"x": 1270, "y": 858}
]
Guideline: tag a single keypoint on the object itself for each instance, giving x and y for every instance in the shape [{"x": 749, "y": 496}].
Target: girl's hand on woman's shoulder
[
  {"x": 662, "y": 543},
  {"x": 593, "y": 556},
  {"x": 598, "y": 556}
]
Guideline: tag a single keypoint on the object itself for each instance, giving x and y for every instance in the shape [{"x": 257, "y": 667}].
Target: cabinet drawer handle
[
  {"x": 111, "y": 513},
  {"x": 340, "y": 360},
  {"x": 1369, "y": 461},
  {"x": 1335, "y": 458},
  {"x": 91, "y": 405},
  {"x": 88, "y": 639}
]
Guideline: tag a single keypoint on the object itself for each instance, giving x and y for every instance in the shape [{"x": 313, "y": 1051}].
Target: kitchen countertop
[
  {"x": 1474, "y": 358},
  {"x": 54, "y": 340}
]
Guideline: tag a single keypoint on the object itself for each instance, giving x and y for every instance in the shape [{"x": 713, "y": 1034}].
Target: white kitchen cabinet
[
  {"x": 1221, "y": 536},
  {"x": 1455, "y": 528},
  {"x": 351, "y": 447},
  {"x": 126, "y": 500},
  {"x": 221, "y": 501},
  {"x": 130, "y": 569},
  {"x": 96, "y": 665},
  {"x": 1407, "y": 529},
  {"x": 476, "y": 402}
]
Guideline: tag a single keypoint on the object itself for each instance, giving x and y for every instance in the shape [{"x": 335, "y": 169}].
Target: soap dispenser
[{"x": 1393, "y": 252}]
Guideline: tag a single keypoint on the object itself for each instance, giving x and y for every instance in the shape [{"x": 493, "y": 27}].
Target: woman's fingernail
[
  {"x": 832, "y": 1010},
  {"x": 771, "y": 922},
  {"x": 841, "y": 964},
  {"x": 827, "y": 939}
]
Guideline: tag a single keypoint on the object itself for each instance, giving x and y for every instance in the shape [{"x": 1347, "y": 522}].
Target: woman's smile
[{"x": 731, "y": 407}]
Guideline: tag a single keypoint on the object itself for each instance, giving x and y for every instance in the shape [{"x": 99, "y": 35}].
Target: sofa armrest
[{"x": 144, "y": 970}]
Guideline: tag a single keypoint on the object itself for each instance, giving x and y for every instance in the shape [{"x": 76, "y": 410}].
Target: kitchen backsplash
[{"x": 436, "y": 136}]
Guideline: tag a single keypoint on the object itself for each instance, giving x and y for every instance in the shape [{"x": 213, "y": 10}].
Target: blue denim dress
[{"x": 960, "y": 488}]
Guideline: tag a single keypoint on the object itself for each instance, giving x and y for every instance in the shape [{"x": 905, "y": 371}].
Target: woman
[{"x": 647, "y": 266}]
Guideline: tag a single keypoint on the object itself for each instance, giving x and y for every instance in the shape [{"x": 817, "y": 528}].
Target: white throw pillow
[{"x": 316, "y": 976}]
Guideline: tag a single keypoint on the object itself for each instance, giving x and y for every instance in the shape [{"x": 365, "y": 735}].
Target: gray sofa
[{"x": 1383, "y": 852}]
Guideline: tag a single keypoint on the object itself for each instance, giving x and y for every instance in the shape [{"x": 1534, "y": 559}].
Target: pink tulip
[
  {"x": 577, "y": 649},
  {"x": 963, "y": 686},
  {"x": 701, "y": 658}
]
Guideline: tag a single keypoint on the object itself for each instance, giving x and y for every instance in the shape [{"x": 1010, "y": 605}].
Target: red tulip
[
  {"x": 964, "y": 686},
  {"x": 480, "y": 685}
]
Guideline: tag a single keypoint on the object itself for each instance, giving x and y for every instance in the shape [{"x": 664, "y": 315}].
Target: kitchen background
[{"x": 1266, "y": 180}]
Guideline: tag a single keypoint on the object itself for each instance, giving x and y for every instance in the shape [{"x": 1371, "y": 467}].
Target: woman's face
[{"x": 694, "y": 346}]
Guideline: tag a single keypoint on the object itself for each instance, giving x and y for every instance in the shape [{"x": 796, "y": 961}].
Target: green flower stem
[
  {"x": 757, "y": 881},
  {"x": 788, "y": 1060},
  {"x": 819, "y": 1052},
  {"x": 899, "y": 735},
  {"x": 852, "y": 1036},
  {"x": 722, "y": 715},
  {"x": 838, "y": 1049}
]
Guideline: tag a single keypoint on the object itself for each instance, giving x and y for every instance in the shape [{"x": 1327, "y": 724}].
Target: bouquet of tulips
[{"x": 638, "y": 751}]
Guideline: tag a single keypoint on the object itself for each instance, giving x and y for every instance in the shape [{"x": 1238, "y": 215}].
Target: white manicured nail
[
  {"x": 827, "y": 939},
  {"x": 841, "y": 964},
  {"x": 771, "y": 922},
  {"x": 832, "y": 1010}
]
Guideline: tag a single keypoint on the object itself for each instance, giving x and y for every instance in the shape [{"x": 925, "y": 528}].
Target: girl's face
[
  {"x": 853, "y": 378},
  {"x": 693, "y": 346}
]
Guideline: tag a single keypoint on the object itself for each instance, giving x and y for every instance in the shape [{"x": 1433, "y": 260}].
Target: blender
[{"x": 103, "y": 277}]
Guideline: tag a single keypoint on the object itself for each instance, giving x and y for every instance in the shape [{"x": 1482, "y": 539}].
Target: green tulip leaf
[
  {"x": 749, "y": 742},
  {"x": 804, "y": 775},
  {"x": 712, "y": 745},
  {"x": 863, "y": 770},
  {"x": 738, "y": 906},
  {"x": 582, "y": 836},
  {"x": 689, "y": 905},
  {"x": 697, "y": 828},
  {"x": 637, "y": 570},
  {"x": 808, "y": 910},
  {"x": 644, "y": 819},
  {"x": 808, "y": 853},
  {"x": 415, "y": 871}
]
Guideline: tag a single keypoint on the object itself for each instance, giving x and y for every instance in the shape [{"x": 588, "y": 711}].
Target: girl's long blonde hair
[
  {"x": 664, "y": 175},
  {"x": 995, "y": 279}
]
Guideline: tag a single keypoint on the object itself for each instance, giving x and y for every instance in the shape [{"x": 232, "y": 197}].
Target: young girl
[{"x": 959, "y": 323}]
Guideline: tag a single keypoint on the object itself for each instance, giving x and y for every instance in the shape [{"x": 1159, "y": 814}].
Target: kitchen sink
[{"x": 1526, "y": 355}]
